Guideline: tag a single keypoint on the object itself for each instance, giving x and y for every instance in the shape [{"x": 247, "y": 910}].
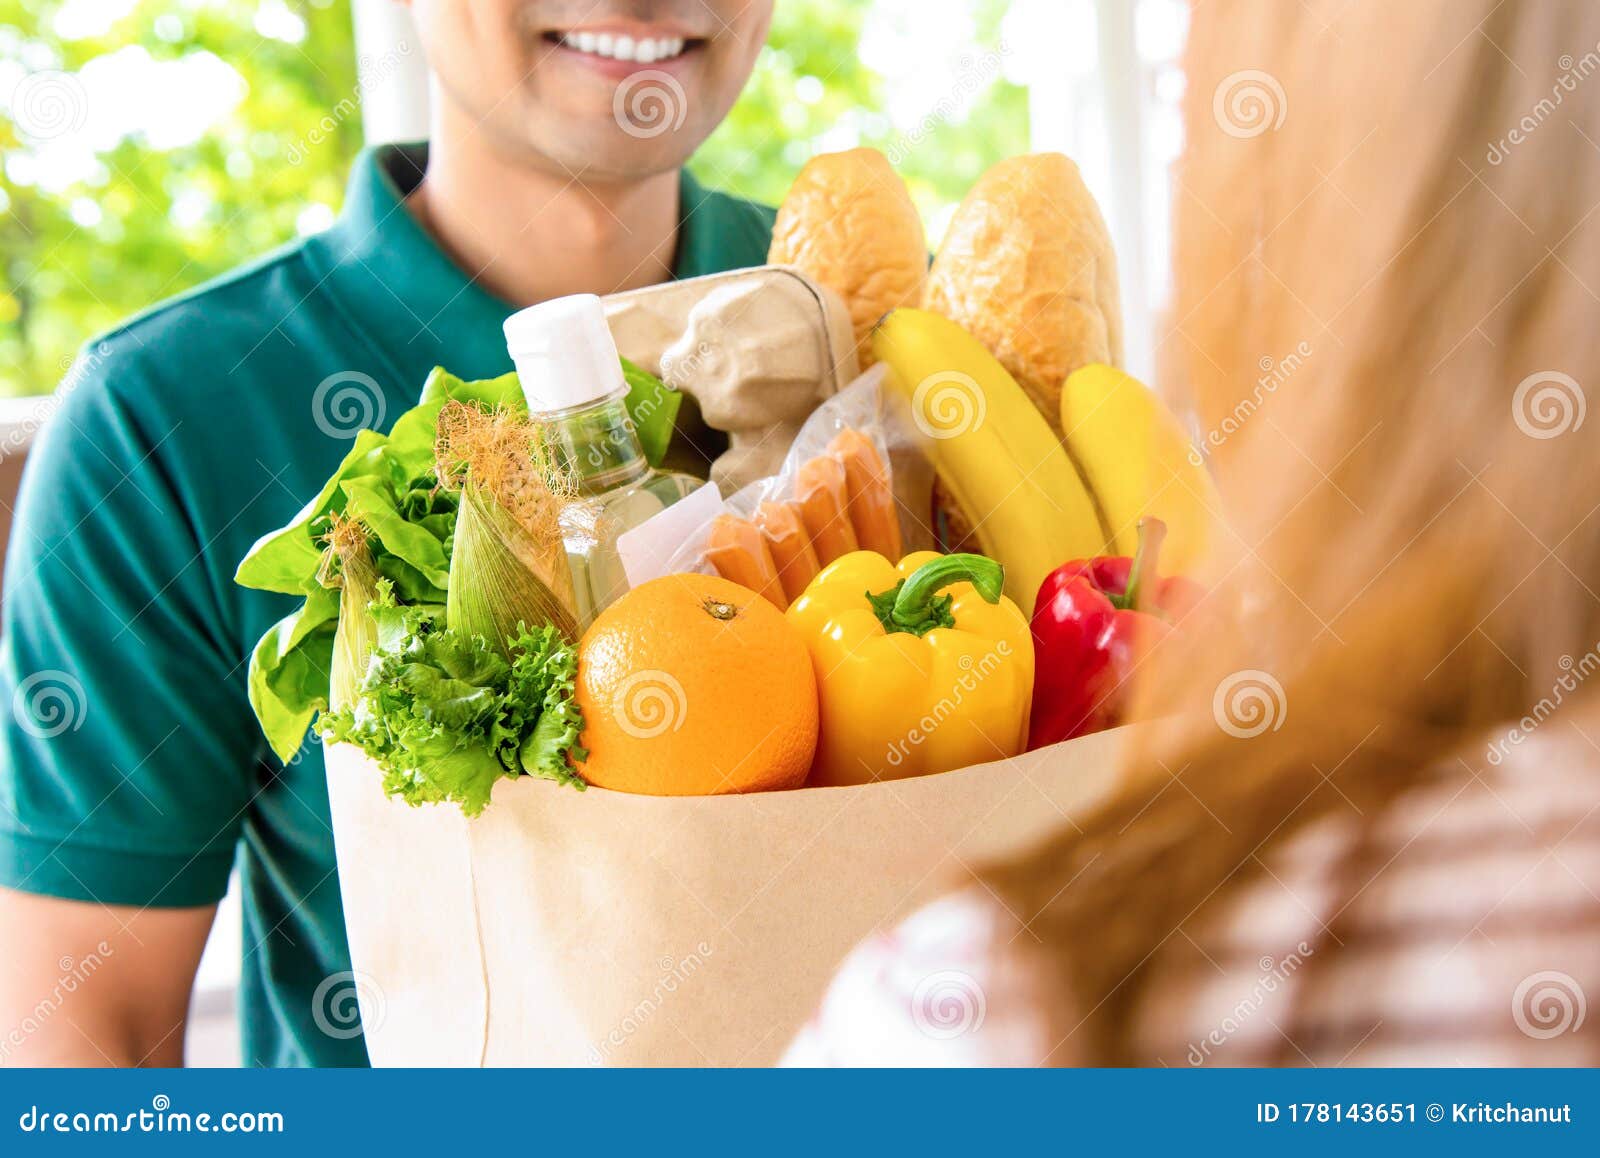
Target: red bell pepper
[{"x": 1092, "y": 621}]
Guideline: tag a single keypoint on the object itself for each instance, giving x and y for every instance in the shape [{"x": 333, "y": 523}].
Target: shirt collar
[{"x": 415, "y": 305}]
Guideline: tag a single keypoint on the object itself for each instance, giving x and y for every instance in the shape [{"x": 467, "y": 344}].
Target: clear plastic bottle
[{"x": 572, "y": 378}]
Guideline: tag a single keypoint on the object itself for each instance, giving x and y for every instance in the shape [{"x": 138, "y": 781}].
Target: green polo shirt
[{"x": 133, "y": 772}]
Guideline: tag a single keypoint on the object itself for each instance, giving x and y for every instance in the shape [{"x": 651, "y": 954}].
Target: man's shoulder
[
  {"x": 722, "y": 231},
  {"x": 729, "y": 205},
  {"x": 201, "y": 334}
]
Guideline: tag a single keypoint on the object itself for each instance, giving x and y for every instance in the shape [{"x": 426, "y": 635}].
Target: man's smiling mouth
[{"x": 634, "y": 49}]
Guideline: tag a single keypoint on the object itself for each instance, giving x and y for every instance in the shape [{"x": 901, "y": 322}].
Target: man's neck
[{"x": 527, "y": 235}]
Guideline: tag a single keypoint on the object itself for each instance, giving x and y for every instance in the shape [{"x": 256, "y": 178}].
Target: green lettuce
[
  {"x": 447, "y": 716},
  {"x": 653, "y": 406},
  {"x": 386, "y": 484},
  {"x": 289, "y": 558},
  {"x": 289, "y": 668},
  {"x": 411, "y": 527}
]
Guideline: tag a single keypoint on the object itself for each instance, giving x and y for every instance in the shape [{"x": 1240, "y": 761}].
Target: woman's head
[{"x": 1388, "y": 296}]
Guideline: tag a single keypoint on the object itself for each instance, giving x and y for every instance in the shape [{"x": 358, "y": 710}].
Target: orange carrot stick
[
  {"x": 872, "y": 509},
  {"x": 792, "y": 552},
  {"x": 824, "y": 507},
  {"x": 739, "y": 553}
]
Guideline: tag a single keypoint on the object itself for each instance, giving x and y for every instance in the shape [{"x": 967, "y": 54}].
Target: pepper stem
[
  {"x": 915, "y": 605},
  {"x": 1151, "y": 532}
]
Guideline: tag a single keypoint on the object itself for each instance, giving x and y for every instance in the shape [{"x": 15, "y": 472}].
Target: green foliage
[
  {"x": 170, "y": 217},
  {"x": 447, "y": 715},
  {"x": 810, "y": 93}
]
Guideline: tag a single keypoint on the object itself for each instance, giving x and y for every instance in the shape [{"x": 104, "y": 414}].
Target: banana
[
  {"x": 1138, "y": 461},
  {"x": 991, "y": 448}
]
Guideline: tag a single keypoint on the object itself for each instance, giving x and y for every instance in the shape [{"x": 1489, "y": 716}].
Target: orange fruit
[
  {"x": 849, "y": 223},
  {"x": 691, "y": 685}
]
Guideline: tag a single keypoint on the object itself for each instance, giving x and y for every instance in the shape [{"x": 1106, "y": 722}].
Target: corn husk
[
  {"x": 508, "y": 564},
  {"x": 348, "y": 566}
]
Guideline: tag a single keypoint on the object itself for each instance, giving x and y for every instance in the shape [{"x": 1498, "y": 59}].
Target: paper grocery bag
[{"x": 599, "y": 928}]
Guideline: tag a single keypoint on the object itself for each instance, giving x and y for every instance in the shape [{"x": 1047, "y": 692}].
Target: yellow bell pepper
[{"x": 921, "y": 667}]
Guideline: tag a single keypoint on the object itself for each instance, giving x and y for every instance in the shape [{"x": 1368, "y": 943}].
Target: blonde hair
[{"x": 1387, "y": 316}]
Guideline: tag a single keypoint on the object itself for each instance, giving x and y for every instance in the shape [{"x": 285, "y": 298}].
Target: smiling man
[{"x": 133, "y": 777}]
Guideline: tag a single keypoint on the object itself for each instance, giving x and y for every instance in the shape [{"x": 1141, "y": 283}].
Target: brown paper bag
[{"x": 599, "y": 928}]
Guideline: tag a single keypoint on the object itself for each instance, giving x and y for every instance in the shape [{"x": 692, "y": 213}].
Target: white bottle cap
[{"x": 564, "y": 353}]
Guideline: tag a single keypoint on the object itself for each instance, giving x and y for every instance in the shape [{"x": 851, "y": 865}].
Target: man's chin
[{"x": 607, "y": 153}]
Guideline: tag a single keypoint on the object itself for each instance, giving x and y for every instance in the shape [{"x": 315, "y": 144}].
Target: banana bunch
[
  {"x": 1137, "y": 460},
  {"x": 1032, "y": 499},
  {"x": 997, "y": 457}
]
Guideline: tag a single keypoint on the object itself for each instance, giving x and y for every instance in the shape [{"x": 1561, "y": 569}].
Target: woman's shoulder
[{"x": 946, "y": 987}]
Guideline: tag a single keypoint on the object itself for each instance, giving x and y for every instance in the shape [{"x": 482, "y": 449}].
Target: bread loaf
[
  {"x": 849, "y": 224},
  {"x": 1027, "y": 268}
]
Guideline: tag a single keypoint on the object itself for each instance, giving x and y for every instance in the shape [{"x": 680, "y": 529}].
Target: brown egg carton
[{"x": 754, "y": 352}]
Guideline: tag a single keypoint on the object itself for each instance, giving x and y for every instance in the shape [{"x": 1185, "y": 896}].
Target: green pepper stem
[
  {"x": 1151, "y": 533},
  {"x": 914, "y": 603}
]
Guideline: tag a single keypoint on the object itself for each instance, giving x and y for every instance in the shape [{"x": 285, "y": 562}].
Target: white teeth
[{"x": 643, "y": 51}]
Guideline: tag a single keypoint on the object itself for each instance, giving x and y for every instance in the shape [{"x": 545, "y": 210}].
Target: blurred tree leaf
[
  {"x": 150, "y": 218},
  {"x": 146, "y": 222},
  {"x": 811, "y": 93}
]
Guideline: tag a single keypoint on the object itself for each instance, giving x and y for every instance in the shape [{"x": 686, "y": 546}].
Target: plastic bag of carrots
[{"x": 835, "y": 494}]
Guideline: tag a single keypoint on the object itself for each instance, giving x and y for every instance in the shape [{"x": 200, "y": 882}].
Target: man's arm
[
  {"x": 84, "y": 984},
  {"x": 127, "y": 761}
]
